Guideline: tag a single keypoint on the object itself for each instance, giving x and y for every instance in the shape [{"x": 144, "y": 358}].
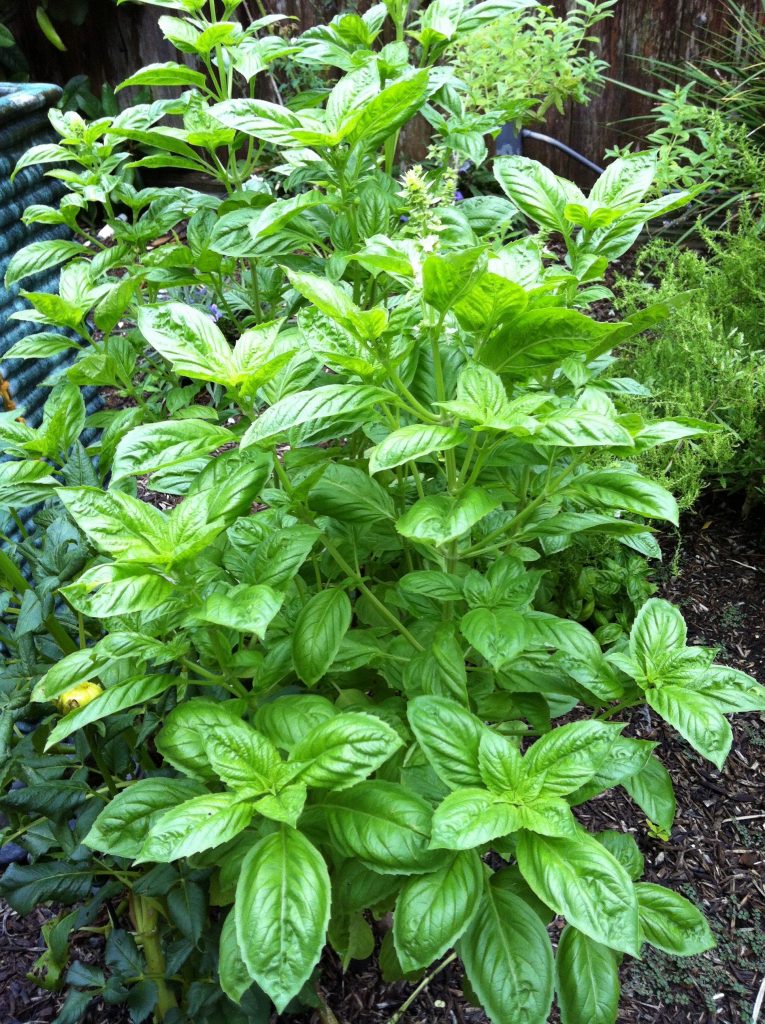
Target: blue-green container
[{"x": 23, "y": 124}]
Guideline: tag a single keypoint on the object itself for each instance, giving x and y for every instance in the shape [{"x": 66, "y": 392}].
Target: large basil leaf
[
  {"x": 343, "y": 750},
  {"x": 696, "y": 717},
  {"x": 432, "y": 911},
  {"x": 282, "y": 912},
  {"x": 508, "y": 959},
  {"x": 385, "y": 826},
  {"x": 586, "y": 980},
  {"x": 121, "y": 827},
  {"x": 450, "y": 737},
  {"x": 579, "y": 879}
]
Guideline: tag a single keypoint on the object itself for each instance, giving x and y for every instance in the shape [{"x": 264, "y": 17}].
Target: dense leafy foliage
[
  {"x": 324, "y": 681},
  {"x": 705, "y": 360}
]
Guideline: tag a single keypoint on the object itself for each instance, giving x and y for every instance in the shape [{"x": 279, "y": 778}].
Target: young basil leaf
[
  {"x": 201, "y": 823},
  {"x": 343, "y": 750},
  {"x": 670, "y": 922},
  {"x": 472, "y": 817}
]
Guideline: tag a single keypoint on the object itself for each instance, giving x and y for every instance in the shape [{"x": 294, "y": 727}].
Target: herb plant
[{"x": 320, "y": 687}]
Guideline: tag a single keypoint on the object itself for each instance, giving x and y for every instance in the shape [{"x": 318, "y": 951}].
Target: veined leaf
[
  {"x": 449, "y": 736},
  {"x": 115, "y": 698},
  {"x": 121, "y": 827},
  {"x": 670, "y": 922},
  {"x": 579, "y": 879},
  {"x": 329, "y": 401},
  {"x": 508, "y": 959},
  {"x": 319, "y": 631},
  {"x": 412, "y": 443},
  {"x": 156, "y": 446},
  {"x": 432, "y": 911},
  {"x": 587, "y": 980},
  {"x": 440, "y": 518},
  {"x": 201, "y": 823},
  {"x": 282, "y": 912},
  {"x": 344, "y": 749}
]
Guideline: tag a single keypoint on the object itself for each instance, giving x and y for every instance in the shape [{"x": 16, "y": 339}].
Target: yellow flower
[{"x": 78, "y": 696}]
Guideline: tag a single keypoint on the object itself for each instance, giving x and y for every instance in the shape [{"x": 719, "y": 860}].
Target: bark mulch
[{"x": 715, "y": 856}]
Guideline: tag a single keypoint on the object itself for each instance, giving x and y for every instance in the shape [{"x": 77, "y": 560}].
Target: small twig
[
  {"x": 758, "y": 1002},
  {"x": 423, "y": 985}
]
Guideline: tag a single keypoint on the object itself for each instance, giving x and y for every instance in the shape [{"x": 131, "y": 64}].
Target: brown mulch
[{"x": 715, "y": 856}]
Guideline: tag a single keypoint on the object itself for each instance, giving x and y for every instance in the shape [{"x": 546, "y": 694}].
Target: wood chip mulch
[{"x": 715, "y": 856}]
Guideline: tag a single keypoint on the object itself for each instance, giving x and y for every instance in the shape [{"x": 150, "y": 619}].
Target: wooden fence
[{"x": 114, "y": 41}]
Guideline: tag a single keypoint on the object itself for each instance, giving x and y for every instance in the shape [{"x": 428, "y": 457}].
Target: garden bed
[{"x": 716, "y": 854}]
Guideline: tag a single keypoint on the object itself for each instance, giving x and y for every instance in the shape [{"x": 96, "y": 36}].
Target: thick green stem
[{"x": 144, "y": 914}]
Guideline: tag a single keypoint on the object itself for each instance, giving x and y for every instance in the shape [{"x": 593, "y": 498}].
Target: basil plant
[{"x": 289, "y": 641}]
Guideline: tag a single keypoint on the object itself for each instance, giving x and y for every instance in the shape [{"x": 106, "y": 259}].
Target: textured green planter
[{"x": 24, "y": 123}]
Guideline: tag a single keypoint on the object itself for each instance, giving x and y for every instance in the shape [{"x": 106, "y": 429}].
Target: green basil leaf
[
  {"x": 508, "y": 959},
  {"x": 499, "y": 636},
  {"x": 282, "y": 913},
  {"x": 201, "y": 823},
  {"x": 344, "y": 749},
  {"x": 471, "y": 817},
  {"x": 619, "y": 489},
  {"x": 432, "y": 911},
  {"x": 579, "y": 879},
  {"x": 232, "y": 971},
  {"x": 651, "y": 789},
  {"x": 318, "y": 633},
  {"x": 450, "y": 737},
  {"x": 115, "y": 698},
  {"x": 570, "y": 755},
  {"x": 586, "y": 980},
  {"x": 120, "y": 829},
  {"x": 385, "y": 826},
  {"x": 249, "y": 608},
  {"x": 696, "y": 717},
  {"x": 440, "y": 518},
  {"x": 156, "y": 446},
  {"x": 189, "y": 339},
  {"x": 412, "y": 443},
  {"x": 670, "y": 922},
  {"x": 330, "y": 401},
  {"x": 291, "y": 717}
]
